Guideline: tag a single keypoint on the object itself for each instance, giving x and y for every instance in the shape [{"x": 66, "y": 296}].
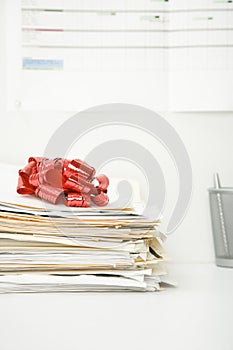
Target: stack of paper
[{"x": 47, "y": 248}]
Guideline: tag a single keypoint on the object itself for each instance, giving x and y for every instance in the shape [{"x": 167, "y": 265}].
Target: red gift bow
[{"x": 73, "y": 181}]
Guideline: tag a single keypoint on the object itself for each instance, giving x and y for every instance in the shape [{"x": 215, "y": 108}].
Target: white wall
[{"x": 207, "y": 137}]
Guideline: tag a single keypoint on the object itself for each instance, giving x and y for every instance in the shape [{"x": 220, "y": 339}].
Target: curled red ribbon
[{"x": 72, "y": 181}]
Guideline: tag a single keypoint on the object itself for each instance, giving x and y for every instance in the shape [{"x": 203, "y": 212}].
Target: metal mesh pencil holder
[{"x": 221, "y": 208}]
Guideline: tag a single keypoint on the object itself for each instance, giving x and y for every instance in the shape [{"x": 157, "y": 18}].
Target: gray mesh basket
[{"x": 221, "y": 208}]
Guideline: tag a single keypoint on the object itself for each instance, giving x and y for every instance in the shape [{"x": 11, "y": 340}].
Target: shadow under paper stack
[{"x": 52, "y": 248}]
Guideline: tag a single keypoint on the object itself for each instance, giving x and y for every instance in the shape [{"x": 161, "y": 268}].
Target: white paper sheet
[{"x": 102, "y": 51}]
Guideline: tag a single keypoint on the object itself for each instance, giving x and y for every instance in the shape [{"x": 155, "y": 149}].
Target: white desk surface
[{"x": 196, "y": 315}]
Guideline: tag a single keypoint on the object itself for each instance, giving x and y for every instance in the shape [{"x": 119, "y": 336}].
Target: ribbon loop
[{"x": 72, "y": 181}]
